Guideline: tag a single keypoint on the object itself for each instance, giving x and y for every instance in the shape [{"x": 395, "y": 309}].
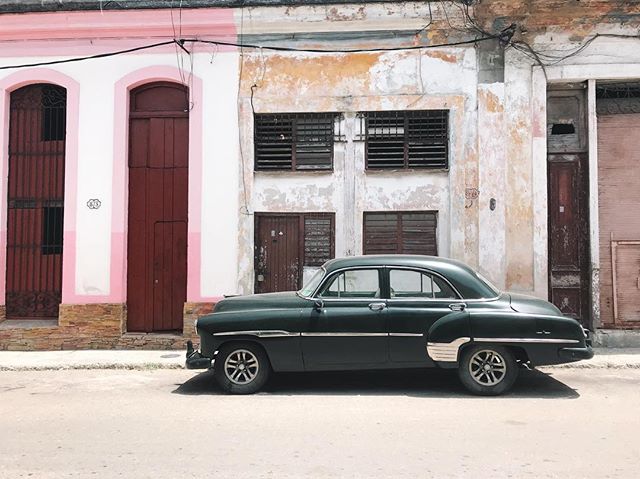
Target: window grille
[
  {"x": 295, "y": 141},
  {"x": 405, "y": 139},
  {"x": 617, "y": 98}
]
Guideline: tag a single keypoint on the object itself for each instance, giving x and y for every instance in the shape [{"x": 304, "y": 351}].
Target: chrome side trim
[
  {"x": 446, "y": 352},
  {"x": 408, "y": 335},
  {"x": 260, "y": 334},
  {"x": 517, "y": 313},
  {"x": 342, "y": 334},
  {"x": 525, "y": 340}
]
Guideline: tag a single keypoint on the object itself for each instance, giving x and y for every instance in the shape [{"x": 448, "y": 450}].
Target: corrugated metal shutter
[
  {"x": 401, "y": 233},
  {"x": 619, "y": 202}
]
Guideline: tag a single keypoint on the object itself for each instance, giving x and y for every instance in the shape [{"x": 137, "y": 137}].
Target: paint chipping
[{"x": 445, "y": 57}]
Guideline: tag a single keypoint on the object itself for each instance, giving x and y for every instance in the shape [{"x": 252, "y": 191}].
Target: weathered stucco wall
[{"x": 349, "y": 83}]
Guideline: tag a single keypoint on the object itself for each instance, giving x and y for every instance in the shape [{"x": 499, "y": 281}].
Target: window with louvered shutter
[
  {"x": 412, "y": 232},
  {"x": 406, "y": 139},
  {"x": 318, "y": 238},
  {"x": 294, "y": 141}
]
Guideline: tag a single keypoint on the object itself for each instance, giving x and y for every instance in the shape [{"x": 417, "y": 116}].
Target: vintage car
[{"x": 384, "y": 312}]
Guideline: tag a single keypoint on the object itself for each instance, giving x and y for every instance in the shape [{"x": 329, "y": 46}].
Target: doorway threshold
[{"x": 28, "y": 323}]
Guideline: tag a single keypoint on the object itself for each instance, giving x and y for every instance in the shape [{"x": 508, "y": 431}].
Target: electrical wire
[
  {"x": 242, "y": 46},
  {"x": 89, "y": 57}
]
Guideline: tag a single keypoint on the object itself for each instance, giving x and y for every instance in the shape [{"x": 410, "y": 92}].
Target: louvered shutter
[
  {"x": 318, "y": 239},
  {"x": 288, "y": 141},
  {"x": 407, "y": 139},
  {"x": 401, "y": 233}
]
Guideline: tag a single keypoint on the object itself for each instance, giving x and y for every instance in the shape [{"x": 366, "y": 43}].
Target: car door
[
  {"x": 347, "y": 328},
  {"x": 417, "y": 299}
]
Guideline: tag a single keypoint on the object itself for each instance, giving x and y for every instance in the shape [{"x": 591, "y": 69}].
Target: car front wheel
[
  {"x": 487, "y": 370},
  {"x": 241, "y": 368}
]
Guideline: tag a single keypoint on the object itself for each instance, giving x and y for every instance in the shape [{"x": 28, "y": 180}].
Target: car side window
[
  {"x": 415, "y": 284},
  {"x": 358, "y": 283}
]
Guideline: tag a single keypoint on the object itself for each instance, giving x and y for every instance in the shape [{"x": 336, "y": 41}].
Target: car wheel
[
  {"x": 241, "y": 368},
  {"x": 487, "y": 370}
]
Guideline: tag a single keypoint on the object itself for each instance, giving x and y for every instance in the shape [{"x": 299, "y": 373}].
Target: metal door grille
[{"x": 37, "y": 131}]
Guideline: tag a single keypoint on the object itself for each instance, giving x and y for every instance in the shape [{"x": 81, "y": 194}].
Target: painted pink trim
[
  {"x": 120, "y": 179},
  {"x": 119, "y": 24},
  {"x": 9, "y": 84},
  {"x": 84, "y": 47}
]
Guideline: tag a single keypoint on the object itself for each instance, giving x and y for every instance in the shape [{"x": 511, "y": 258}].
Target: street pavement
[
  {"x": 175, "y": 423},
  {"x": 143, "y": 359}
]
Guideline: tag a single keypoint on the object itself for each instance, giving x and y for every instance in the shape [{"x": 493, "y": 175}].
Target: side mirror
[{"x": 318, "y": 305}]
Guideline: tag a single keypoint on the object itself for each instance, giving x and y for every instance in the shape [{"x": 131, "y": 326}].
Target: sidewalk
[{"x": 126, "y": 359}]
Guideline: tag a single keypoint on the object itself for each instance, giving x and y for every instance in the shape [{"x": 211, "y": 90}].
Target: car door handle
[
  {"x": 377, "y": 306},
  {"x": 457, "y": 306},
  {"x": 543, "y": 332}
]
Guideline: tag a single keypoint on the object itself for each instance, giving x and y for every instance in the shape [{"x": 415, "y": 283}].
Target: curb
[
  {"x": 147, "y": 366},
  {"x": 65, "y": 367}
]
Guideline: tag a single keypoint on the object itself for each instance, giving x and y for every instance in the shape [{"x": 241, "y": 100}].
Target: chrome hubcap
[
  {"x": 487, "y": 367},
  {"x": 241, "y": 366}
]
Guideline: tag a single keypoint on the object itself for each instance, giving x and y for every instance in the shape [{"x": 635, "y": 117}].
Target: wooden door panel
[
  {"x": 139, "y": 149},
  {"x": 278, "y": 263},
  {"x": 158, "y": 209},
  {"x": 169, "y": 274},
  {"x": 564, "y": 227},
  {"x": 568, "y": 207},
  {"x": 180, "y": 142},
  {"x": 156, "y": 143},
  {"x": 568, "y": 240}
]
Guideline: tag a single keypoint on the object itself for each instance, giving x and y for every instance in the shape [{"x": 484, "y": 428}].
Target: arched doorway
[
  {"x": 35, "y": 206},
  {"x": 157, "y": 220}
]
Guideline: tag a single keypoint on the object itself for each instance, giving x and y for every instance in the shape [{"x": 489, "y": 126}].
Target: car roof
[
  {"x": 461, "y": 276},
  {"x": 411, "y": 260}
]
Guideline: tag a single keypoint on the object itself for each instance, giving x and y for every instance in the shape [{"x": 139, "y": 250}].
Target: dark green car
[{"x": 386, "y": 312}]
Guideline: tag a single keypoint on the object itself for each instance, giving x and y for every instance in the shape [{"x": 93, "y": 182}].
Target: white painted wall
[{"x": 97, "y": 78}]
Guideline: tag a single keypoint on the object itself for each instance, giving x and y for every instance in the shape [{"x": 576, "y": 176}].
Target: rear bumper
[
  {"x": 195, "y": 360},
  {"x": 576, "y": 354}
]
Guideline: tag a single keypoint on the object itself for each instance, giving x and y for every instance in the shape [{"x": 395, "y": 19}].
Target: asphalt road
[{"x": 176, "y": 423}]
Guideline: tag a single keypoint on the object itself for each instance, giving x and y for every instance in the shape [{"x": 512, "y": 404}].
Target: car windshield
[
  {"x": 312, "y": 284},
  {"x": 488, "y": 284}
]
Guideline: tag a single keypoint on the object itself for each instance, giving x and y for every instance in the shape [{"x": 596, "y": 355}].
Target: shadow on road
[{"x": 417, "y": 383}]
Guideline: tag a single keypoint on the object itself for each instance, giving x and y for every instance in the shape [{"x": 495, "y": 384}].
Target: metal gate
[{"x": 37, "y": 130}]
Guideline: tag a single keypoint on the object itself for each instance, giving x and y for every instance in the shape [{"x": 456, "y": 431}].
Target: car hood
[
  {"x": 532, "y": 305},
  {"x": 255, "y": 302}
]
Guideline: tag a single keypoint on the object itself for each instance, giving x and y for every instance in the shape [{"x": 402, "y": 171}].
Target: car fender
[{"x": 446, "y": 336}]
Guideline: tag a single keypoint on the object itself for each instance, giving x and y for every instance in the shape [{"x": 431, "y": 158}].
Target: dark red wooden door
[
  {"x": 278, "y": 253},
  {"x": 568, "y": 193},
  {"x": 158, "y": 190},
  {"x": 37, "y": 130}
]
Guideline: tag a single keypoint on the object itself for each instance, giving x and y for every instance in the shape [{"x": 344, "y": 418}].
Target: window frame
[
  {"x": 294, "y": 117},
  {"x": 364, "y": 134},
  {"x": 328, "y": 280},
  {"x": 421, "y": 271}
]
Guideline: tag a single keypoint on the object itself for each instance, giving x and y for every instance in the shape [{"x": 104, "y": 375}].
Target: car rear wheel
[
  {"x": 241, "y": 368},
  {"x": 487, "y": 370}
]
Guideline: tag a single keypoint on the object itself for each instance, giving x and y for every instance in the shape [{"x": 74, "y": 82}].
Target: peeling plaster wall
[{"x": 349, "y": 83}]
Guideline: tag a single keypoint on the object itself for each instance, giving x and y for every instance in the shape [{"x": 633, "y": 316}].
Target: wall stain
[{"x": 491, "y": 102}]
